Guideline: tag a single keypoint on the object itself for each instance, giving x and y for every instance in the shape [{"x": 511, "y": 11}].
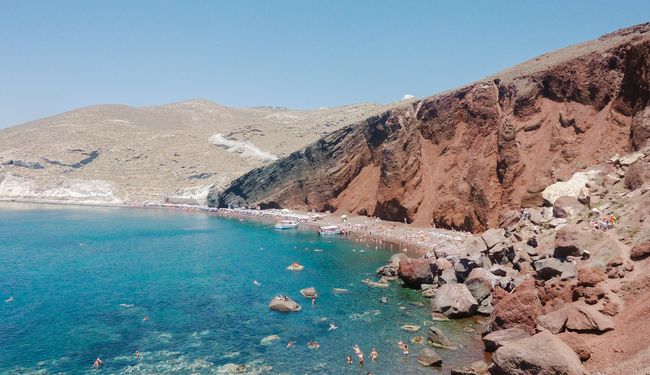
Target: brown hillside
[{"x": 460, "y": 158}]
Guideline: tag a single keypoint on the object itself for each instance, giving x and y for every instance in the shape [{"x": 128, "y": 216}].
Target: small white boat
[
  {"x": 330, "y": 230},
  {"x": 286, "y": 224}
]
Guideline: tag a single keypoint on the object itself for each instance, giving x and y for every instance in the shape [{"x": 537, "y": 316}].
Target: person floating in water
[
  {"x": 146, "y": 318},
  {"x": 405, "y": 350},
  {"x": 256, "y": 283},
  {"x": 313, "y": 301},
  {"x": 332, "y": 327},
  {"x": 349, "y": 360},
  {"x": 373, "y": 354},
  {"x": 98, "y": 363},
  {"x": 137, "y": 354},
  {"x": 361, "y": 361},
  {"x": 289, "y": 344},
  {"x": 10, "y": 299},
  {"x": 356, "y": 349}
]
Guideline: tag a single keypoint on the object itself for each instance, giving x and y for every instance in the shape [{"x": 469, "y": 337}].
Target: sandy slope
[{"x": 121, "y": 154}]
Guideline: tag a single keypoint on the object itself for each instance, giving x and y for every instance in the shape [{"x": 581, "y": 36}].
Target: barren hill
[
  {"x": 121, "y": 154},
  {"x": 458, "y": 159}
]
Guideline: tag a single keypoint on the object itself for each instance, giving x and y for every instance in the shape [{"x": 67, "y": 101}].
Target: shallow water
[{"x": 82, "y": 280}]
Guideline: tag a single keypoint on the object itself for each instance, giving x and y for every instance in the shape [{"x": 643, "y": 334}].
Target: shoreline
[{"x": 394, "y": 236}]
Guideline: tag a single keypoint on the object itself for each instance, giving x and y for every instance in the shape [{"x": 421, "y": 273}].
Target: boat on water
[
  {"x": 330, "y": 230},
  {"x": 286, "y": 224}
]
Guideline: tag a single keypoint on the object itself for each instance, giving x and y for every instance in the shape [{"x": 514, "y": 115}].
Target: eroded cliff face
[{"x": 460, "y": 158}]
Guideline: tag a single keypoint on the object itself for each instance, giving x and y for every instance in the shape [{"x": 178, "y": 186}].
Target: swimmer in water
[
  {"x": 374, "y": 355},
  {"x": 98, "y": 363},
  {"x": 361, "y": 361},
  {"x": 137, "y": 354},
  {"x": 289, "y": 344},
  {"x": 349, "y": 360},
  {"x": 256, "y": 283},
  {"x": 146, "y": 318},
  {"x": 10, "y": 299},
  {"x": 332, "y": 327},
  {"x": 313, "y": 301},
  {"x": 405, "y": 350},
  {"x": 356, "y": 348}
]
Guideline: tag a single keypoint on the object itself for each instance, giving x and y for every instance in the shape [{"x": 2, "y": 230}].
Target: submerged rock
[
  {"x": 439, "y": 339},
  {"x": 309, "y": 292},
  {"x": 268, "y": 340},
  {"x": 429, "y": 357},
  {"x": 410, "y": 327}
]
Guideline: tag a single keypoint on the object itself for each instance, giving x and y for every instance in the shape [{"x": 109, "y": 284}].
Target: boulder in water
[
  {"x": 309, "y": 292},
  {"x": 415, "y": 272},
  {"x": 268, "y": 340},
  {"x": 438, "y": 339},
  {"x": 284, "y": 304}
]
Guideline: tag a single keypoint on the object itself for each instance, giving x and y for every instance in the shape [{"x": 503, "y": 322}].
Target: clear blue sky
[{"x": 61, "y": 55}]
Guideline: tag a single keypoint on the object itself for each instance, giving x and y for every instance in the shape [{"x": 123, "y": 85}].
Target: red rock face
[
  {"x": 519, "y": 309},
  {"x": 460, "y": 158}
]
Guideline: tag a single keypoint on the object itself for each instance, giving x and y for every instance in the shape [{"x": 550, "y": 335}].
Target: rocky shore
[{"x": 565, "y": 285}]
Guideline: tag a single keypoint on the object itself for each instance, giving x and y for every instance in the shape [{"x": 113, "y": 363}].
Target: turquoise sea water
[{"x": 83, "y": 279}]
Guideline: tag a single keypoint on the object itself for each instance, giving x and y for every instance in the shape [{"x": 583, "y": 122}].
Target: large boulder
[
  {"x": 493, "y": 237},
  {"x": 464, "y": 266},
  {"x": 502, "y": 253},
  {"x": 570, "y": 188},
  {"x": 396, "y": 258},
  {"x": 577, "y": 343},
  {"x": 497, "y": 339},
  {"x": 447, "y": 276},
  {"x": 587, "y": 318},
  {"x": 455, "y": 301},
  {"x": 567, "y": 242},
  {"x": 415, "y": 272},
  {"x": 429, "y": 357},
  {"x": 590, "y": 276},
  {"x": 640, "y": 251},
  {"x": 549, "y": 268},
  {"x": 480, "y": 283},
  {"x": 284, "y": 304},
  {"x": 554, "y": 321},
  {"x": 517, "y": 309},
  {"x": 567, "y": 207},
  {"x": 541, "y": 354}
]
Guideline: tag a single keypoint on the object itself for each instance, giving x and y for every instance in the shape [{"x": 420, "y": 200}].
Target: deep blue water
[{"x": 82, "y": 280}]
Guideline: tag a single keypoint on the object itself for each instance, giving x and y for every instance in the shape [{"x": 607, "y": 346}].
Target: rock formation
[{"x": 460, "y": 158}]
